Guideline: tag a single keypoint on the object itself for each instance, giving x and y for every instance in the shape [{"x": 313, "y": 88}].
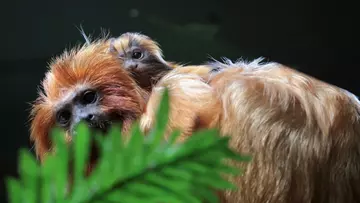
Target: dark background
[{"x": 315, "y": 37}]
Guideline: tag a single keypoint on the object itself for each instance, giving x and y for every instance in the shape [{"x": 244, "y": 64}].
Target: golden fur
[
  {"x": 191, "y": 97},
  {"x": 88, "y": 66},
  {"x": 303, "y": 134}
]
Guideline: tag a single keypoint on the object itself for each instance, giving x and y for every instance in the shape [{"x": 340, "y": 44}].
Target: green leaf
[
  {"x": 123, "y": 196},
  {"x": 99, "y": 139},
  {"x": 214, "y": 180},
  {"x": 231, "y": 153},
  {"x": 207, "y": 194},
  {"x": 198, "y": 141},
  {"x": 203, "y": 138},
  {"x": 28, "y": 166},
  {"x": 136, "y": 150},
  {"x": 104, "y": 166},
  {"x": 174, "y": 135},
  {"x": 194, "y": 167},
  {"x": 165, "y": 198},
  {"x": 144, "y": 189},
  {"x": 47, "y": 189},
  {"x": 62, "y": 159},
  {"x": 29, "y": 174},
  {"x": 150, "y": 194},
  {"x": 177, "y": 172},
  {"x": 81, "y": 151},
  {"x": 14, "y": 190},
  {"x": 115, "y": 150},
  {"x": 158, "y": 179},
  {"x": 142, "y": 169}
]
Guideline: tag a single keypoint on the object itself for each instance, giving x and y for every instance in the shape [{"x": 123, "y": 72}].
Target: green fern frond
[{"x": 140, "y": 169}]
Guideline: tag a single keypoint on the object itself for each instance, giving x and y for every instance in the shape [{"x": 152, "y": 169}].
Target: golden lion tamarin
[
  {"x": 143, "y": 58},
  {"x": 89, "y": 71},
  {"x": 86, "y": 83},
  {"x": 303, "y": 134}
]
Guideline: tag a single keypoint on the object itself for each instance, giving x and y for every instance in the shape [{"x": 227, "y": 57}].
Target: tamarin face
[
  {"x": 141, "y": 56},
  {"x": 86, "y": 84},
  {"x": 82, "y": 104}
]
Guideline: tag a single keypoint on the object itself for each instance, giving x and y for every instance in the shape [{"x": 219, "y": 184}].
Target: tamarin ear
[{"x": 112, "y": 47}]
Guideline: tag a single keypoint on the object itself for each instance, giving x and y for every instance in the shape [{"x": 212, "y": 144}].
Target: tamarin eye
[
  {"x": 88, "y": 97},
  {"x": 63, "y": 117},
  {"x": 136, "y": 54}
]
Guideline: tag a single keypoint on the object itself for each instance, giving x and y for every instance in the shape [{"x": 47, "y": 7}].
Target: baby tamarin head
[
  {"x": 85, "y": 84},
  {"x": 142, "y": 57}
]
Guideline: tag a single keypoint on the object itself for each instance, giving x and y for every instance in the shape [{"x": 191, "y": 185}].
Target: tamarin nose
[
  {"x": 90, "y": 117},
  {"x": 133, "y": 67}
]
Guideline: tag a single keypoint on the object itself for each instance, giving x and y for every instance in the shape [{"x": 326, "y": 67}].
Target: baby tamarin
[
  {"x": 303, "y": 134},
  {"x": 143, "y": 58}
]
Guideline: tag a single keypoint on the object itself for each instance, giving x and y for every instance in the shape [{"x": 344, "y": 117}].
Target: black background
[{"x": 318, "y": 38}]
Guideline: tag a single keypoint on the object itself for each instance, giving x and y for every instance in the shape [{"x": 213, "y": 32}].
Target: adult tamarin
[
  {"x": 303, "y": 134},
  {"x": 92, "y": 72},
  {"x": 86, "y": 83}
]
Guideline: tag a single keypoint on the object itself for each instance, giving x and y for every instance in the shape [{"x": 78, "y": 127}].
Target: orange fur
[
  {"x": 90, "y": 66},
  {"x": 303, "y": 134},
  {"x": 191, "y": 97}
]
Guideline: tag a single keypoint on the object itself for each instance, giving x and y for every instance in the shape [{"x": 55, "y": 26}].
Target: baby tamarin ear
[{"x": 142, "y": 57}]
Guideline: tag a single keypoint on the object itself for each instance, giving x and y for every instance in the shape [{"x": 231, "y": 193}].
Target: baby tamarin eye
[{"x": 137, "y": 54}]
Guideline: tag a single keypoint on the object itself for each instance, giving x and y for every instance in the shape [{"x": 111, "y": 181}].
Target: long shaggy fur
[
  {"x": 91, "y": 66},
  {"x": 191, "y": 98},
  {"x": 303, "y": 134}
]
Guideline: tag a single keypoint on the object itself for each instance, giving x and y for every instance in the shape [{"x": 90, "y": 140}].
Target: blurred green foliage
[{"x": 139, "y": 169}]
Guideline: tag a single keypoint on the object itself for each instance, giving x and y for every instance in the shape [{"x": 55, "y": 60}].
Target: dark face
[
  {"x": 145, "y": 67},
  {"x": 137, "y": 59},
  {"x": 82, "y": 105},
  {"x": 134, "y": 58}
]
